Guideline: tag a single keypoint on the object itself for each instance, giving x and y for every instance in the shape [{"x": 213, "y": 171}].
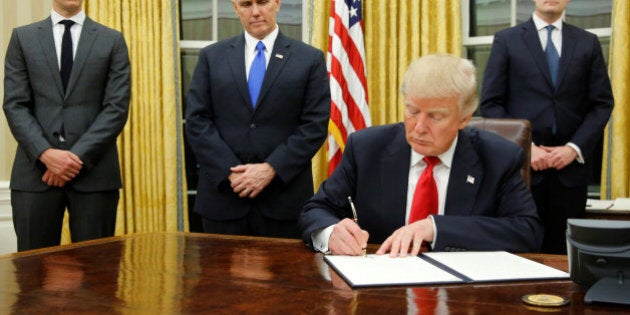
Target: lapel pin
[
  {"x": 470, "y": 180},
  {"x": 279, "y": 56}
]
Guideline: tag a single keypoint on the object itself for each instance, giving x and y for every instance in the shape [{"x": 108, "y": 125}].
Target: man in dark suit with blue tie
[
  {"x": 257, "y": 112},
  {"x": 67, "y": 89},
  {"x": 428, "y": 179},
  {"x": 554, "y": 75}
]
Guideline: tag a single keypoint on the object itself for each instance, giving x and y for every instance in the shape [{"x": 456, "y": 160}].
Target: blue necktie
[
  {"x": 257, "y": 73},
  {"x": 553, "y": 58}
]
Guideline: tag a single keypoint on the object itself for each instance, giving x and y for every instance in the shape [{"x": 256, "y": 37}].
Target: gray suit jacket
[{"x": 93, "y": 111}]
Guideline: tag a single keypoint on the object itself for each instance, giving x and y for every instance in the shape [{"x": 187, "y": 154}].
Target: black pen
[{"x": 356, "y": 219}]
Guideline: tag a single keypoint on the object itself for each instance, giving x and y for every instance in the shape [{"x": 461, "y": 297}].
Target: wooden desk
[{"x": 176, "y": 273}]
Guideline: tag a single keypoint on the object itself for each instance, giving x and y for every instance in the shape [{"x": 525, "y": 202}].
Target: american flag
[{"x": 346, "y": 69}]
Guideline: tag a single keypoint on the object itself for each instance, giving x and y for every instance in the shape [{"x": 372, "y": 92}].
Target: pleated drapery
[
  {"x": 615, "y": 179},
  {"x": 151, "y": 145},
  {"x": 396, "y": 32}
]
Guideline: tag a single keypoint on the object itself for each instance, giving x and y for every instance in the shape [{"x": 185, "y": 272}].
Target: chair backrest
[{"x": 518, "y": 131}]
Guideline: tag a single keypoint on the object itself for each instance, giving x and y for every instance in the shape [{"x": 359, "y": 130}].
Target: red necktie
[{"x": 425, "y": 198}]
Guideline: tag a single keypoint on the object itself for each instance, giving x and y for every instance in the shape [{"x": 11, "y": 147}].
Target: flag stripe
[
  {"x": 348, "y": 45},
  {"x": 339, "y": 132},
  {"x": 346, "y": 69},
  {"x": 353, "y": 111},
  {"x": 348, "y": 48}
]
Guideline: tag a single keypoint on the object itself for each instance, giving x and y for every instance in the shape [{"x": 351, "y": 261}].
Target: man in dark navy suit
[
  {"x": 554, "y": 75},
  {"x": 482, "y": 202},
  {"x": 257, "y": 112}
]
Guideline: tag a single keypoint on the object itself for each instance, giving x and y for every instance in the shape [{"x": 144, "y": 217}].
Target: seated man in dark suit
[{"x": 471, "y": 197}]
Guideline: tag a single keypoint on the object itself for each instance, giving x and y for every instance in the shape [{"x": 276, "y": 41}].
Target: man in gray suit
[{"x": 67, "y": 90}]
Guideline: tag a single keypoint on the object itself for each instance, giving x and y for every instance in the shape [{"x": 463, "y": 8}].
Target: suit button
[{"x": 252, "y": 126}]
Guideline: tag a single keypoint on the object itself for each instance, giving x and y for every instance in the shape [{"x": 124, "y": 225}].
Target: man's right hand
[
  {"x": 53, "y": 180},
  {"x": 63, "y": 164},
  {"x": 539, "y": 159},
  {"x": 347, "y": 238}
]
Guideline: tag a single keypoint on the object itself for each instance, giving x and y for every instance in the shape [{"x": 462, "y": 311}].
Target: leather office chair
[{"x": 518, "y": 131}]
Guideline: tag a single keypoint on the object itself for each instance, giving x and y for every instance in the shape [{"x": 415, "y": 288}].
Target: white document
[
  {"x": 495, "y": 266},
  {"x": 621, "y": 204},
  {"x": 380, "y": 270},
  {"x": 596, "y": 204},
  {"x": 438, "y": 268}
]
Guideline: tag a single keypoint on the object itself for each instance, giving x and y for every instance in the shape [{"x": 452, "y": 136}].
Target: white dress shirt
[
  {"x": 556, "y": 34},
  {"x": 250, "y": 48},
  {"x": 59, "y": 29}
]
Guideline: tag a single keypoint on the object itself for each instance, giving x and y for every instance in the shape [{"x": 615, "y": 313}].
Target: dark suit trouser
[
  {"x": 254, "y": 224},
  {"x": 556, "y": 203},
  {"x": 38, "y": 216}
]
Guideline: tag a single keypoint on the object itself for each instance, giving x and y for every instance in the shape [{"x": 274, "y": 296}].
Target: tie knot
[
  {"x": 431, "y": 160},
  {"x": 550, "y": 28},
  {"x": 260, "y": 47},
  {"x": 67, "y": 23}
]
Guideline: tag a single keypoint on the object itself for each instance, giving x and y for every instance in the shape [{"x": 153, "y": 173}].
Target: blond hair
[{"x": 442, "y": 76}]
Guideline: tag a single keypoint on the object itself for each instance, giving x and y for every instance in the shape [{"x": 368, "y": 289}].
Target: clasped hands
[
  {"x": 248, "y": 180},
  {"x": 61, "y": 166},
  {"x": 551, "y": 157},
  {"x": 347, "y": 238}
]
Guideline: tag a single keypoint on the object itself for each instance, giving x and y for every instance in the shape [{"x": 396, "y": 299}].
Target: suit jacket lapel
[
  {"x": 277, "y": 60},
  {"x": 394, "y": 167},
  {"x": 89, "y": 32},
  {"x": 532, "y": 41},
  {"x": 236, "y": 63},
  {"x": 465, "y": 177},
  {"x": 47, "y": 43},
  {"x": 568, "y": 45}
]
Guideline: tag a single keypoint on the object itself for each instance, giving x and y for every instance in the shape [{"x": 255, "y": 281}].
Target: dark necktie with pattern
[
  {"x": 66, "y": 53},
  {"x": 553, "y": 60}
]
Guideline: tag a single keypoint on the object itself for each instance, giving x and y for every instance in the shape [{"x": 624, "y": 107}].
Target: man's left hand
[
  {"x": 560, "y": 157},
  {"x": 252, "y": 180},
  {"x": 412, "y": 235},
  {"x": 53, "y": 180}
]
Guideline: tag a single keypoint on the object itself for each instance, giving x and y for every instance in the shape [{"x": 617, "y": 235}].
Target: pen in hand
[{"x": 356, "y": 219}]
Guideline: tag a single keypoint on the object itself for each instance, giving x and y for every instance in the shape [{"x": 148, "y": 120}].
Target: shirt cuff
[
  {"x": 434, "y": 232},
  {"x": 320, "y": 239},
  {"x": 579, "y": 157}
]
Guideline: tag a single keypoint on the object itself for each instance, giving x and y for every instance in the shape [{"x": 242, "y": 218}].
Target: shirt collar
[
  {"x": 540, "y": 24},
  {"x": 78, "y": 18},
  {"x": 446, "y": 157},
  {"x": 251, "y": 41}
]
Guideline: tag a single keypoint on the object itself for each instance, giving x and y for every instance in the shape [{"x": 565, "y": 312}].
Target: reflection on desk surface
[{"x": 188, "y": 273}]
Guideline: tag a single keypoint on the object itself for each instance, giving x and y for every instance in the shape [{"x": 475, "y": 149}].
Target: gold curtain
[
  {"x": 396, "y": 32},
  {"x": 616, "y": 165},
  {"x": 151, "y": 144},
  {"x": 317, "y": 28}
]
